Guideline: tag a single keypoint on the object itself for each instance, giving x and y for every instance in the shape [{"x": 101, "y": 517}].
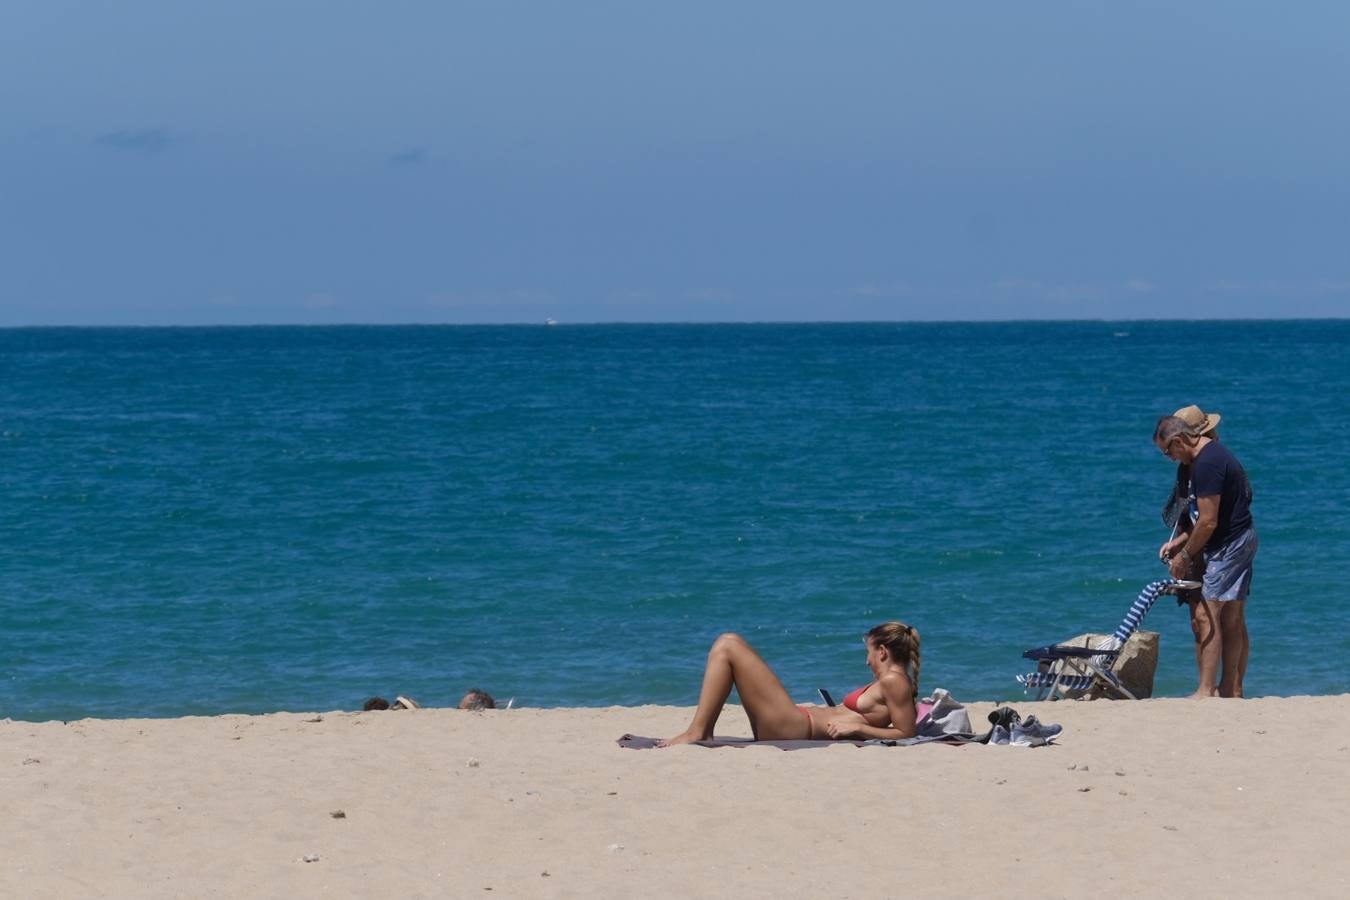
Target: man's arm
[{"x": 1171, "y": 546}]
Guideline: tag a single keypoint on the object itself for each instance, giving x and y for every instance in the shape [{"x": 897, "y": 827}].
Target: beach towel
[
  {"x": 638, "y": 742},
  {"x": 942, "y": 720}
]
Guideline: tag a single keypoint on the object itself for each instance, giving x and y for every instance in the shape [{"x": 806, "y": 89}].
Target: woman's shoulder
[{"x": 894, "y": 679}]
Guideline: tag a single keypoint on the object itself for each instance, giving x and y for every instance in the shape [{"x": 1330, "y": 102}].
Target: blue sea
[{"x": 217, "y": 520}]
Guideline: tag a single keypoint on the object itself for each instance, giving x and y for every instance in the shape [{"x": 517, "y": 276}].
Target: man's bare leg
[
  {"x": 1246, "y": 651},
  {"x": 1208, "y": 645},
  {"x": 1233, "y": 627}
]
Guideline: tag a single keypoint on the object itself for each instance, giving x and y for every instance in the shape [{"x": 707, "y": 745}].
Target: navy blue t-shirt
[{"x": 1217, "y": 471}]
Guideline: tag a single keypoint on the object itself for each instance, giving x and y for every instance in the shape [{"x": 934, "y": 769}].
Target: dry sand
[{"x": 1166, "y": 797}]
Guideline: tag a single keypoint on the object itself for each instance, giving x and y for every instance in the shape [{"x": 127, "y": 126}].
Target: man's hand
[{"x": 1170, "y": 547}]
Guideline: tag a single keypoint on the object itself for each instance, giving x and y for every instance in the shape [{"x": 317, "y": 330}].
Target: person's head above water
[
  {"x": 901, "y": 645},
  {"x": 477, "y": 699}
]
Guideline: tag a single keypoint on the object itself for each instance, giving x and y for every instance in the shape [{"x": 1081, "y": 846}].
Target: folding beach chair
[{"x": 1062, "y": 669}]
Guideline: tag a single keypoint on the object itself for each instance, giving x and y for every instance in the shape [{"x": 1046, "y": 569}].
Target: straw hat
[{"x": 1199, "y": 421}]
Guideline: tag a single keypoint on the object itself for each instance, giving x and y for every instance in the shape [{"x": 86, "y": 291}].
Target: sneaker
[
  {"x": 1040, "y": 728},
  {"x": 1032, "y": 732}
]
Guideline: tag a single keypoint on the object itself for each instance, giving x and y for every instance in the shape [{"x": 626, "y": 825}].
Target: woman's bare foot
[
  {"x": 1203, "y": 694},
  {"x": 687, "y": 737}
]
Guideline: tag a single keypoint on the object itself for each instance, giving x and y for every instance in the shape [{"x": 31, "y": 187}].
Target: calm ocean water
[{"x": 200, "y": 521}]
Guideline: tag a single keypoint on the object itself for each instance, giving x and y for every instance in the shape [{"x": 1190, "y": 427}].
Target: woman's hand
[{"x": 837, "y": 729}]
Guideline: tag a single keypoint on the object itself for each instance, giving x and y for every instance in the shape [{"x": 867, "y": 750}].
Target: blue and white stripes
[
  {"x": 1141, "y": 606},
  {"x": 1050, "y": 679},
  {"x": 1109, "y": 646}
]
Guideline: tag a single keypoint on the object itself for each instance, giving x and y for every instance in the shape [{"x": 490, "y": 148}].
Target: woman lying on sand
[{"x": 883, "y": 709}]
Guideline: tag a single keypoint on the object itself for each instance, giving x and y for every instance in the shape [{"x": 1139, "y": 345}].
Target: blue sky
[{"x": 186, "y": 162}]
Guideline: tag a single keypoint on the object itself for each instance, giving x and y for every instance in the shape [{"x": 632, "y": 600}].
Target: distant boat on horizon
[{"x": 550, "y": 321}]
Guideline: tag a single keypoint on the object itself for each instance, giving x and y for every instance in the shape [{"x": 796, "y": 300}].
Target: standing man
[
  {"x": 1175, "y": 513},
  {"x": 1220, "y": 533}
]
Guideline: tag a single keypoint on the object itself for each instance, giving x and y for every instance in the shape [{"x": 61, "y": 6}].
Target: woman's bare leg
[{"x": 734, "y": 663}]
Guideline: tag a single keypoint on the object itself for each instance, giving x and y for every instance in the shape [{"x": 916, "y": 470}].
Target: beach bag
[{"x": 940, "y": 713}]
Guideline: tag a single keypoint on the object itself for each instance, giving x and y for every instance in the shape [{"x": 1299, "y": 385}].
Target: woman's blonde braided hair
[{"x": 902, "y": 642}]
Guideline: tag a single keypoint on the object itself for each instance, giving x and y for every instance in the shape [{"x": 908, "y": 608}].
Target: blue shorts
[{"x": 1228, "y": 570}]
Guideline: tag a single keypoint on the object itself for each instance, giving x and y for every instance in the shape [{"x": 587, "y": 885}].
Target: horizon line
[{"x": 550, "y": 323}]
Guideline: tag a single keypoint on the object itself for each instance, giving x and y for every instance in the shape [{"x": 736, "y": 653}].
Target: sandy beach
[{"x": 1170, "y": 797}]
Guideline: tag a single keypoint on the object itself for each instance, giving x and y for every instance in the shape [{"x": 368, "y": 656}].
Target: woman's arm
[
  {"x": 899, "y": 696},
  {"x": 1181, "y": 531},
  {"x": 1199, "y": 536}
]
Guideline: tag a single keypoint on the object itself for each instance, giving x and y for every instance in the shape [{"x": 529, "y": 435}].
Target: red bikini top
[{"x": 851, "y": 701}]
